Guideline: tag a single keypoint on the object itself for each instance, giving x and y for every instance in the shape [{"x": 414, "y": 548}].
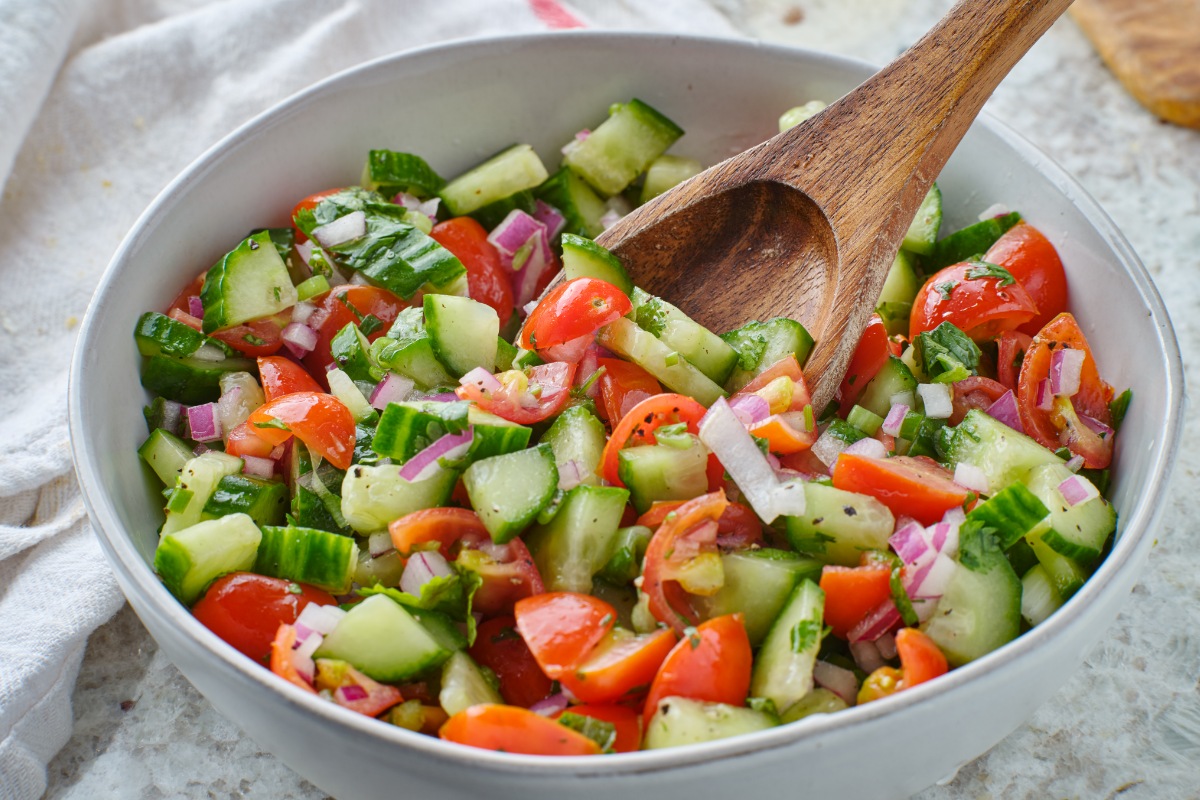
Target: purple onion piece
[{"x": 425, "y": 463}]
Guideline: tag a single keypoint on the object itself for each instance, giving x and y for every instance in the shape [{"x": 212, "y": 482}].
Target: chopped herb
[
  {"x": 807, "y": 634},
  {"x": 1119, "y": 407},
  {"x": 370, "y": 323},
  {"x": 985, "y": 269},
  {"x": 273, "y": 422},
  {"x": 599, "y": 731},
  {"x": 901, "y": 599},
  {"x": 583, "y": 388},
  {"x": 764, "y": 704},
  {"x": 944, "y": 289},
  {"x": 295, "y": 588},
  {"x": 250, "y": 338},
  {"x": 947, "y": 354}
]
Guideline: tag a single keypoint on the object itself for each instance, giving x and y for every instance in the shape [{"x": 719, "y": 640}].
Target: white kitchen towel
[{"x": 104, "y": 102}]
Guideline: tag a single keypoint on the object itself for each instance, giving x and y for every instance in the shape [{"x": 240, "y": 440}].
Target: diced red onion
[
  {"x": 1077, "y": 489},
  {"x": 204, "y": 424},
  {"x": 884, "y": 618},
  {"x": 938, "y": 399},
  {"x": 551, "y": 217},
  {"x": 299, "y": 338},
  {"x": 515, "y": 231},
  {"x": 909, "y": 542},
  {"x": 972, "y": 477},
  {"x": 827, "y": 448},
  {"x": 481, "y": 377},
  {"x": 195, "y": 306},
  {"x": 302, "y": 656},
  {"x": 570, "y": 475},
  {"x": 350, "y": 693},
  {"x": 955, "y": 515},
  {"x": 866, "y": 655},
  {"x": 200, "y": 448},
  {"x": 525, "y": 281},
  {"x": 932, "y": 580},
  {"x": 442, "y": 397},
  {"x": 343, "y": 229},
  {"x": 1005, "y": 410},
  {"x": 1075, "y": 463},
  {"x": 551, "y": 705},
  {"x": 258, "y": 467},
  {"x": 887, "y": 646},
  {"x": 629, "y": 399},
  {"x": 1066, "y": 369},
  {"x": 837, "y": 680},
  {"x": 1045, "y": 397},
  {"x": 750, "y": 408},
  {"x": 425, "y": 463},
  {"x": 427, "y": 207},
  {"x": 528, "y": 308},
  {"x": 421, "y": 569},
  {"x": 394, "y": 388},
  {"x": 571, "y": 352},
  {"x": 609, "y": 218},
  {"x": 380, "y": 544},
  {"x": 322, "y": 619},
  {"x": 993, "y": 211},
  {"x": 304, "y": 250},
  {"x": 302, "y": 312},
  {"x": 867, "y": 448},
  {"x": 1096, "y": 426},
  {"x": 894, "y": 419}
]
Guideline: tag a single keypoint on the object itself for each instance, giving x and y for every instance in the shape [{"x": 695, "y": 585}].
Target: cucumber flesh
[
  {"x": 701, "y": 347},
  {"x": 893, "y": 378},
  {"x": 166, "y": 454},
  {"x": 899, "y": 290},
  {"x": 972, "y": 240},
  {"x": 1077, "y": 531},
  {"x": 757, "y": 584},
  {"x": 250, "y": 282},
  {"x": 383, "y": 641},
  {"x": 464, "y": 685},
  {"x": 373, "y": 496},
  {"x": 679, "y": 721},
  {"x": 196, "y": 484},
  {"x": 922, "y": 233},
  {"x": 463, "y": 332},
  {"x": 577, "y": 436},
  {"x": 576, "y": 544},
  {"x": 783, "y": 670},
  {"x": 511, "y": 171},
  {"x": 662, "y": 472},
  {"x": 307, "y": 555},
  {"x": 626, "y": 339},
  {"x": 583, "y": 258},
  {"x": 621, "y": 147},
  {"x": 1004, "y": 455},
  {"x": 667, "y": 172},
  {"x": 264, "y": 500},
  {"x": 759, "y": 345},
  {"x": 838, "y": 526},
  {"x": 1039, "y": 598},
  {"x": 577, "y": 201},
  {"x": 190, "y": 559},
  {"x": 509, "y": 491}
]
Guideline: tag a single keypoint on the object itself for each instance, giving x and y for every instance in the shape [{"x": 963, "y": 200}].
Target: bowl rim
[{"x": 138, "y": 578}]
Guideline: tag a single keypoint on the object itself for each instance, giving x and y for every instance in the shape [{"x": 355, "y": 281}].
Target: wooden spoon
[{"x": 806, "y": 225}]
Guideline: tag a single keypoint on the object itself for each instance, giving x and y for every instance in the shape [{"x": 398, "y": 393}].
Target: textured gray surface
[{"x": 1127, "y": 724}]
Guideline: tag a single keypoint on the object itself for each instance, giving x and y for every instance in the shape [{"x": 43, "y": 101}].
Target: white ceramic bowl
[{"x": 455, "y": 104}]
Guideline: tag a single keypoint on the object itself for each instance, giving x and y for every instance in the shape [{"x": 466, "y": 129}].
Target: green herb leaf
[
  {"x": 945, "y": 289},
  {"x": 273, "y": 422},
  {"x": 807, "y": 634},
  {"x": 947, "y": 354},
  {"x": 900, "y": 597},
  {"x": 599, "y": 731},
  {"x": 985, "y": 269},
  {"x": 1119, "y": 407}
]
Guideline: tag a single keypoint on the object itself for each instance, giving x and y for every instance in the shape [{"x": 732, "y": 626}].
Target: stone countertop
[{"x": 1126, "y": 724}]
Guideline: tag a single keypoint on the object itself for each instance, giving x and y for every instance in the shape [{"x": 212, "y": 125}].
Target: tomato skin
[
  {"x": 513, "y": 729},
  {"x": 319, "y": 420},
  {"x": 920, "y": 659},
  {"x": 280, "y": 376},
  {"x": 914, "y": 487},
  {"x": 1011, "y": 347},
  {"x": 508, "y": 572},
  {"x": 501, "y": 649},
  {"x": 712, "y": 665},
  {"x": 668, "y": 601},
  {"x": 974, "y": 392},
  {"x": 283, "y": 661},
  {"x": 1033, "y": 261},
  {"x": 332, "y": 315},
  {"x": 618, "y": 666},
  {"x": 245, "y": 441},
  {"x": 487, "y": 280},
  {"x": 561, "y": 628},
  {"x": 253, "y": 339},
  {"x": 446, "y": 526},
  {"x": 622, "y": 386},
  {"x": 851, "y": 593},
  {"x": 980, "y": 307},
  {"x": 870, "y": 355},
  {"x": 662, "y": 409},
  {"x": 574, "y": 308},
  {"x": 624, "y": 720},
  {"x": 555, "y": 380},
  {"x": 246, "y": 610}
]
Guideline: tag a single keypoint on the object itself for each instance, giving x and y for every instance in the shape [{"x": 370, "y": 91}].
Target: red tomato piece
[
  {"x": 280, "y": 376},
  {"x": 1011, "y": 347},
  {"x": 245, "y": 441},
  {"x": 851, "y": 593},
  {"x": 246, "y": 610},
  {"x": 920, "y": 658},
  {"x": 711, "y": 664},
  {"x": 622, "y": 386},
  {"x": 640, "y": 423},
  {"x": 974, "y": 392},
  {"x": 622, "y": 665},
  {"x": 973, "y": 301},
  {"x": 283, "y": 660},
  {"x": 337, "y": 676},
  {"x": 668, "y": 601},
  {"x": 737, "y": 528},
  {"x": 547, "y": 393},
  {"x": 446, "y": 526},
  {"x": 319, "y": 420},
  {"x": 870, "y": 355},
  {"x": 574, "y": 308},
  {"x": 508, "y": 572},
  {"x": 512, "y": 729},
  {"x": 1033, "y": 261},
  {"x": 501, "y": 649},
  {"x": 487, "y": 280},
  {"x": 342, "y": 305},
  {"x": 914, "y": 487},
  {"x": 624, "y": 720},
  {"x": 562, "y": 628}
]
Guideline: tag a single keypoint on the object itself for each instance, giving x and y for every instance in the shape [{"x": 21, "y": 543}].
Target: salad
[{"x": 586, "y": 524}]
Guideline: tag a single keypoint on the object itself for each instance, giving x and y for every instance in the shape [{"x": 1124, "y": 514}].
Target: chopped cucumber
[
  {"x": 1065, "y": 573},
  {"x": 577, "y": 436},
  {"x": 326, "y": 560},
  {"x": 159, "y": 335},
  {"x": 190, "y": 381},
  {"x": 408, "y": 349},
  {"x": 626, "y": 339},
  {"x": 250, "y": 282},
  {"x": 577, "y": 543},
  {"x": 794, "y": 116},
  {"x": 1077, "y": 531},
  {"x": 390, "y": 173},
  {"x": 494, "y": 212},
  {"x": 373, "y": 496},
  {"x": 197, "y": 482},
  {"x": 625, "y": 563},
  {"x": 188, "y": 560},
  {"x": 1039, "y": 598},
  {"x": 783, "y": 670},
  {"x": 382, "y": 640},
  {"x": 899, "y": 290},
  {"x": 818, "y": 701},
  {"x": 759, "y": 345},
  {"x": 351, "y": 353},
  {"x": 758, "y": 583},
  {"x": 1013, "y": 513},
  {"x": 511, "y": 171},
  {"x": 577, "y": 201},
  {"x": 407, "y": 428},
  {"x": 508, "y": 491},
  {"x": 701, "y": 347},
  {"x": 893, "y": 378},
  {"x": 663, "y": 472},
  {"x": 679, "y": 721},
  {"x": 464, "y": 684},
  {"x": 838, "y": 526},
  {"x": 667, "y": 172},
  {"x": 1004, "y": 455},
  {"x": 166, "y": 454},
  {"x": 922, "y": 233},
  {"x": 583, "y": 258},
  {"x": 463, "y": 332},
  {"x": 263, "y": 500},
  {"x": 973, "y": 240},
  {"x": 345, "y": 389},
  {"x": 621, "y": 147}
]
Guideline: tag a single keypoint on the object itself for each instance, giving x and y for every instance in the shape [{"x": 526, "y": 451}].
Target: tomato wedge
[
  {"x": 501, "y": 649},
  {"x": 711, "y": 664},
  {"x": 512, "y": 729},
  {"x": 920, "y": 659},
  {"x": 622, "y": 386},
  {"x": 668, "y": 601},
  {"x": 914, "y": 487},
  {"x": 280, "y": 376},
  {"x": 640, "y": 423},
  {"x": 574, "y": 308},
  {"x": 319, "y": 420},
  {"x": 870, "y": 355},
  {"x": 851, "y": 593},
  {"x": 562, "y": 628},
  {"x": 974, "y": 392},
  {"x": 526, "y": 397},
  {"x": 977, "y": 302},
  {"x": 246, "y": 610},
  {"x": 487, "y": 280},
  {"x": 448, "y": 527},
  {"x": 1011, "y": 347},
  {"x": 283, "y": 660},
  {"x": 245, "y": 441},
  {"x": 624, "y": 720},
  {"x": 619, "y": 666},
  {"x": 1033, "y": 261}
]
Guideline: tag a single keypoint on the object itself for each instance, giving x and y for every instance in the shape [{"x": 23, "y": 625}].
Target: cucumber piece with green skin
[
  {"x": 759, "y": 345},
  {"x": 503, "y": 175},
  {"x": 1076, "y": 531},
  {"x": 576, "y": 544},
  {"x": 701, "y": 347},
  {"x": 383, "y": 641},
  {"x": 407, "y": 428},
  {"x": 408, "y": 349},
  {"x": 197, "y": 482},
  {"x": 1013, "y": 512},
  {"x": 622, "y": 147},
  {"x": 1067, "y": 574},
  {"x": 663, "y": 472},
  {"x": 576, "y": 201},
  {"x": 583, "y": 258},
  {"x": 250, "y": 282},
  {"x": 899, "y": 290},
  {"x": 166, "y": 414},
  {"x": 783, "y": 670},
  {"x": 397, "y": 254},
  {"x": 758, "y": 583},
  {"x": 577, "y": 437},
  {"x": 626, "y": 339},
  {"x": 494, "y": 212},
  {"x": 1004, "y": 455},
  {"x": 463, "y": 332},
  {"x": 390, "y": 173},
  {"x": 158, "y": 335},
  {"x": 309, "y": 508},
  {"x": 794, "y": 116},
  {"x": 864, "y": 420},
  {"x": 980, "y": 609},
  {"x": 464, "y": 685},
  {"x": 679, "y": 721},
  {"x": 818, "y": 701},
  {"x": 838, "y": 526},
  {"x": 667, "y": 172},
  {"x": 508, "y": 491},
  {"x": 893, "y": 378},
  {"x": 505, "y": 353},
  {"x": 190, "y": 381},
  {"x": 166, "y": 454},
  {"x": 351, "y": 394},
  {"x": 307, "y": 555},
  {"x": 262, "y": 500},
  {"x": 1039, "y": 598},
  {"x": 625, "y": 563},
  {"x": 191, "y": 558},
  {"x": 373, "y": 496},
  {"x": 972, "y": 240},
  {"x": 350, "y": 351},
  {"x": 921, "y": 236}
]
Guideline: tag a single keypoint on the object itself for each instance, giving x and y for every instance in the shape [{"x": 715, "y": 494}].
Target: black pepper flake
[{"x": 850, "y": 511}]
